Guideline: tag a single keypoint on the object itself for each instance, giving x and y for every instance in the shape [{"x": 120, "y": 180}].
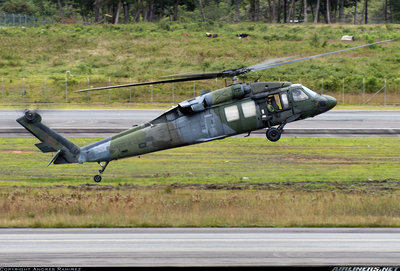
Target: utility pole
[
  {"x": 2, "y": 89},
  {"x": 44, "y": 88},
  {"x": 88, "y": 93},
  {"x": 363, "y": 91},
  {"x": 152, "y": 91},
  {"x": 173, "y": 92},
  {"x": 343, "y": 91},
  {"x": 130, "y": 90},
  {"x": 109, "y": 90},
  {"x": 384, "y": 94},
  {"x": 66, "y": 85}
]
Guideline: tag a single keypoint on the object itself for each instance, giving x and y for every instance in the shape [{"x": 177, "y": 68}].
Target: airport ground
[
  {"x": 310, "y": 182},
  {"x": 233, "y": 202},
  {"x": 205, "y": 247},
  {"x": 322, "y": 181}
]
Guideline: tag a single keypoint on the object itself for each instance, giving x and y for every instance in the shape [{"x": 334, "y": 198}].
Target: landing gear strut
[{"x": 97, "y": 178}]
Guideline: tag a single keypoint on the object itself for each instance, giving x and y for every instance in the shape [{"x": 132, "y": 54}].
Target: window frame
[
  {"x": 303, "y": 97},
  {"x": 232, "y": 113},
  {"x": 284, "y": 103},
  {"x": 249, "y": 110}
]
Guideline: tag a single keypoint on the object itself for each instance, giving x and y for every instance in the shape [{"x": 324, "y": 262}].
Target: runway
[
  {"x": 200, "y": 247},
  {"x": 103, "y": 123}
]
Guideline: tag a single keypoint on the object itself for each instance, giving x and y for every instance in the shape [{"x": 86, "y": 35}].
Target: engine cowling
[{"x": 226, "y": 94}]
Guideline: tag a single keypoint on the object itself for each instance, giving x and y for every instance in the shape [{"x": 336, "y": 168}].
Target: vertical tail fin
[{"x": 51, "y": 141}]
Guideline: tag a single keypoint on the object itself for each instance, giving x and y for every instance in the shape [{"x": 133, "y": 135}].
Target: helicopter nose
[
  {"x": 331, "y": 102},
  {"x": 326, "y": 102}
]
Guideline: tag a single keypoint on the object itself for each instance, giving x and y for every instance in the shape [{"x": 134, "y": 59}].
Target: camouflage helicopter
[{"x": 235, "y": 109}]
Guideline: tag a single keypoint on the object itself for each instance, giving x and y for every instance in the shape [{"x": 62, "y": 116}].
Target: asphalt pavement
[
  {"x": 103, "y": 123},
  {"x": 200, "y": 247}
]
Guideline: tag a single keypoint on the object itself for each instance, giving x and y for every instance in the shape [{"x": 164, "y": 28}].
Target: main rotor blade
[
  {"x": 265, "y": 65},
  {"x": 141, "y": 84},
  {"x": 190, "y": 76},
  {"x": 229, "y": 73},
  {"x": 315, "y": 56},
  {"x": 260, "y": 66},
  {"x": 232, "y": 72}
]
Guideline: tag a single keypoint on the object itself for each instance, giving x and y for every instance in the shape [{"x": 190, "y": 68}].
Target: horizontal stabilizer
[{"x": 44, "y": 147}]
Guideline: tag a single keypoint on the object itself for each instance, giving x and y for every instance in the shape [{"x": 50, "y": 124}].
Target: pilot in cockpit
[{"x": 270, "y": 103}]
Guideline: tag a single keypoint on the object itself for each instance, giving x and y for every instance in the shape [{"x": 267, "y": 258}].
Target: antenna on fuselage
[
  {"x": 234, "y": 80},
  {"x": 258, "y": 78}
]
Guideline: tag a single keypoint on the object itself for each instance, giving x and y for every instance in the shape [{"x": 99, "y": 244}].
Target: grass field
[
  {"x": 232, "y": 182},
  {"x": 32, "y": 59},
  {"x": 58, "y": 207},
  {"x": 225, "y": 161}
]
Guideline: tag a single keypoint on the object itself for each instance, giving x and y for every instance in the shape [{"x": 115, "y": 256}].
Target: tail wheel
[
  {"x": 97, "y": 178},
  {"x": 273, "y": 134}
]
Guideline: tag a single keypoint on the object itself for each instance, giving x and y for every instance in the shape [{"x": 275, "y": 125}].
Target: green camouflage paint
[{"x": 229, "y": 111}]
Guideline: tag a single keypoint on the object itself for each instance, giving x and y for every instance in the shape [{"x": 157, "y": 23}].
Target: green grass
[
  {"x": 61, "y": 208},
  {"x": 146, "y": 51},
  {"x": 235, "y": 182},
  {"x": 366, "y": 107},
  {"x": 230, "y": 160}
]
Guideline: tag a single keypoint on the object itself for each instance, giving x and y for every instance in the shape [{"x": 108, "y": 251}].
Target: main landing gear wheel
[
  {"x": 97, "y": 178},
  {"x": 273, "y": 134}
]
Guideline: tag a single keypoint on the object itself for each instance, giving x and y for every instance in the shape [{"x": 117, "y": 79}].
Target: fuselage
[{"x": 225, "y": 112}]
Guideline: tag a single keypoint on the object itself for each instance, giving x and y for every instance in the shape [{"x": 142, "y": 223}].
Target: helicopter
[{"x": 235, "y": 109}]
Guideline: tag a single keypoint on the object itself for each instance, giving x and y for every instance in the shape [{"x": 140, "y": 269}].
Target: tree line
[{"x": 277, "y": 11}]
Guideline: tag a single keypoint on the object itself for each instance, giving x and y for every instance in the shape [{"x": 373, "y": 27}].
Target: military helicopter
[{"x": 235, "y": 109}]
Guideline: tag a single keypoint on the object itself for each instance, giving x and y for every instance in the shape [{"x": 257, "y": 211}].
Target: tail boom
[{"x": 51, "y": 141}]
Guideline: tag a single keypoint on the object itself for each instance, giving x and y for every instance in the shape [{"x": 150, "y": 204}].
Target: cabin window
[
  {"x": 274, "y": 103},
  {"x": 249, "y": 109},
  {"x": 231, "y": 113},
  {"x": 284, "y": 100},
  {"x": 299, "y": 95}
]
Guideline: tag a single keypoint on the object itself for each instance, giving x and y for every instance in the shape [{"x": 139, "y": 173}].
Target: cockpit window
[
  {"x": 309, "y": 91},
  {"x": 299, "y": 95}
]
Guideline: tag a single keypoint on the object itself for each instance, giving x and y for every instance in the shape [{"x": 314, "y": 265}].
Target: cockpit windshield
[
  {"x": 299, "y": 95},
  {"x": 309, "y": 91}
]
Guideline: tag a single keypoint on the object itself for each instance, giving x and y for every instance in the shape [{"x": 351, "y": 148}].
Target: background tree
[
  {"x": 203, "y": 16},
  {"x": 131, "y": 11},
  {"x": 366, "y": 11},
  {"x": 20, "y": 7},
  {"x": 316, "y": 16}
]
